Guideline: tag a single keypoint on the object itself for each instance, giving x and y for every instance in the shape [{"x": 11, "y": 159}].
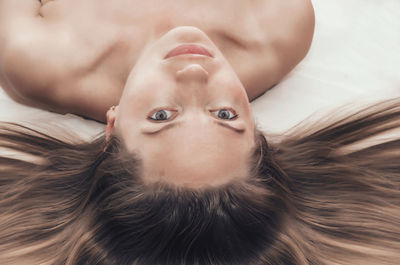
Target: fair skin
[
  {"x": 196, "y": 107},
  {"x": 73, "y": 56},
  {"x": 187, "y": 117}
]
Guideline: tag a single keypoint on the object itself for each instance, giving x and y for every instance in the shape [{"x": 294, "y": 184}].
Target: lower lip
[{"x": 188, "y": 49}]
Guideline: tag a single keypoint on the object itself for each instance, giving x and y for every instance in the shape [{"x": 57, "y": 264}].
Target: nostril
[
  {"x": 44, "y": 1},
  {"x": 192, "y": 72}
]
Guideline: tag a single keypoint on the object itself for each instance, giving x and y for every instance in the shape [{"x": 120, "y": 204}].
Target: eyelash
[
  {"x": 150, "y": 116},
  {"x": 235, "y": 115}
]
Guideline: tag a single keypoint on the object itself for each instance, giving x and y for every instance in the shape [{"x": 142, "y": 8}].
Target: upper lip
[{"x": 188, "y": 49}]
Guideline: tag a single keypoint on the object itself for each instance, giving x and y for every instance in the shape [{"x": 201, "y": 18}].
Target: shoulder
[
  {"x": 55, "y": 63},
  {"x": 20, "y": 28},
  {"x": 21, "y": 54},
  {"x": 285, "y": 31},
  {"x": 40, "y": 66},
  {"x": 289, "y": 19}
]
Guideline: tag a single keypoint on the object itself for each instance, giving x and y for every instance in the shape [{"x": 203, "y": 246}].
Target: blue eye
[
  {"x": 161, "y": 115},
  {"x": 225, "y": 114}
]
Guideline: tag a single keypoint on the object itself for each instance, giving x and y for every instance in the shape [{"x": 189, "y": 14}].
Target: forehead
[{"x": 195, "y": 156}]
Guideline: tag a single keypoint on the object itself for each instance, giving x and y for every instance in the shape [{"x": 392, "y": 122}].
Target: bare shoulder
[
  {"x": 285, "y": 31},
  {"x": 20, "y": 28},
  {"x": 46, "y": 63}
]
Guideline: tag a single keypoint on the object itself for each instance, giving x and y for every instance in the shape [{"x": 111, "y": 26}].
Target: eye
[
  {"x": 161, "y": 115},
  {"x": 225, "y": 114}
]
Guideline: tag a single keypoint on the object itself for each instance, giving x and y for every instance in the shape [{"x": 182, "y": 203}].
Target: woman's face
[{"x": 187, "y": 116}]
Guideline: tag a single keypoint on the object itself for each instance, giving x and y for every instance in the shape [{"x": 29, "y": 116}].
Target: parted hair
[{"x": 327, "y": 193}]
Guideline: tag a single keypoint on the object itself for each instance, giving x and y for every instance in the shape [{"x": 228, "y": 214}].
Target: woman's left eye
[
  {"x": 161, "y": 115},
  {"x": 225, "y": 114}
]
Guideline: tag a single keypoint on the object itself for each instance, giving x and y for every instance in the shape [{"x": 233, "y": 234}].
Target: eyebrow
[{"x": 175, "y": 124}]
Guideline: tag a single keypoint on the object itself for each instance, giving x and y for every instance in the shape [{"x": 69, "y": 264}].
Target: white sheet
[{"x": 355, "y": 58}]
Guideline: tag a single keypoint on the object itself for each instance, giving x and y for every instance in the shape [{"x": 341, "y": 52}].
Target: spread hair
[{"x": 328, "y": 193}]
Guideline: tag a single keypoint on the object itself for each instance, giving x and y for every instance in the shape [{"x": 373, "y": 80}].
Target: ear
[{"x": 111, "y": 114}]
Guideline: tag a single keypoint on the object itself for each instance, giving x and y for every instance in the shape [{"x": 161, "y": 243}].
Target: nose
[{"x": 192, "y": 73}]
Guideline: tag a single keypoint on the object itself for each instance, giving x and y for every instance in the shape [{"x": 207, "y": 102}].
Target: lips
[{"x": 188, "y": 49}]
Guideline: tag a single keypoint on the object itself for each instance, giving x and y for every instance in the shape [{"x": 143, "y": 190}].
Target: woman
[
  {"x": 181, "y": 75},
  {"x": 182, "y": 176},
  {"x": 322, "y": 195},
  {"x": 86, "y": 49}
]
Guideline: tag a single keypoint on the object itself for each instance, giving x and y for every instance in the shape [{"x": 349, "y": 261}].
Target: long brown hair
[{"x": 321, "y": 195}]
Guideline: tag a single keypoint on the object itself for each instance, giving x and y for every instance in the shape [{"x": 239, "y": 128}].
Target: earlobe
[{"x": 111, "y": 114}]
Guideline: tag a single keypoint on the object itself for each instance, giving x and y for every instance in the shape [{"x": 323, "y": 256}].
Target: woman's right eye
[
  {"x": 225, "y": 114},
  {"x": 161, "y": 115}
]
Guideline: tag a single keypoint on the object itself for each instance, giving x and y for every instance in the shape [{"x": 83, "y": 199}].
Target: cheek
[
  {"x": 142, "y": 99},
  {"x": 139, "y": 90},
  {"x": 234, "y": 92},
  {"x": 239, "y": 93},
  {"x": 228, "y": 82}
]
